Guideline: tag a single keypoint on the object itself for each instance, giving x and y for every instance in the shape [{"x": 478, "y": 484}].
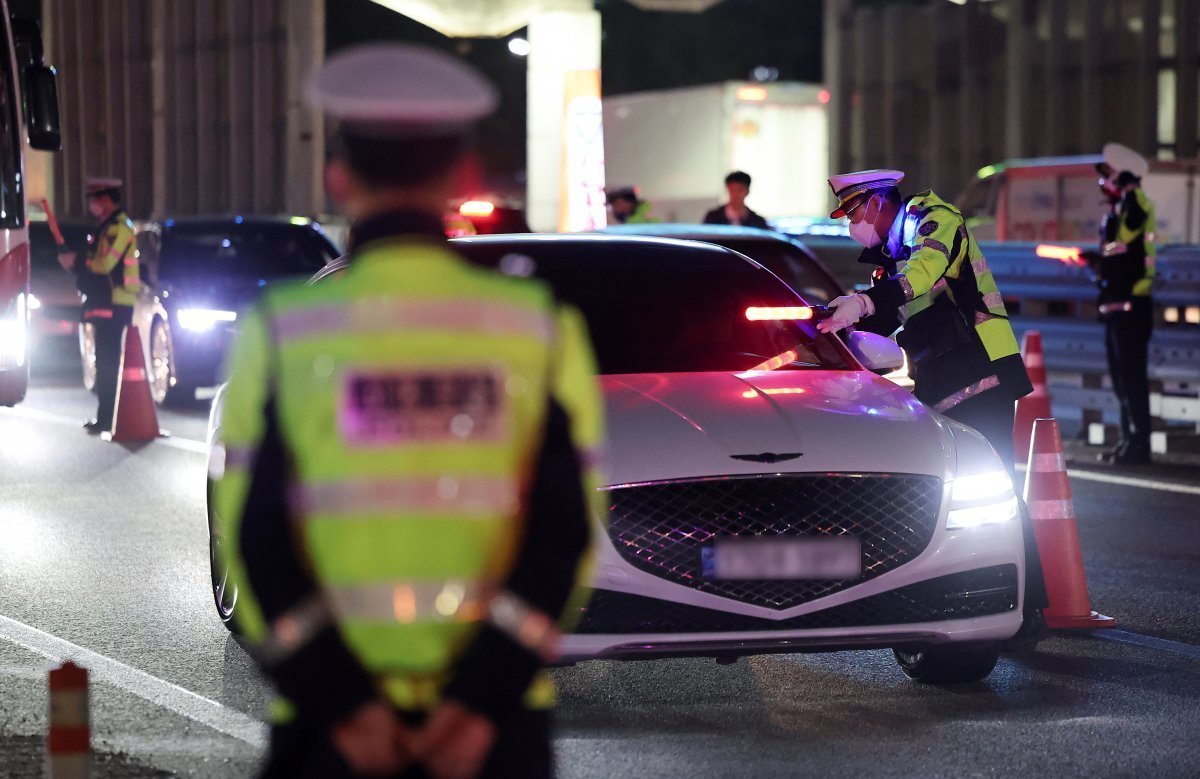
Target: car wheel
[
  {"x": 162, "y": 362},
  {"x": 948, "y": 664},
  {"x": 87, "y": 354},
  {"x": 225, "y": 593}
]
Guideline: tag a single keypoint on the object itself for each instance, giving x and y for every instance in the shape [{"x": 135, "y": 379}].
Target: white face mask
[{"x": 864, "y": 233}]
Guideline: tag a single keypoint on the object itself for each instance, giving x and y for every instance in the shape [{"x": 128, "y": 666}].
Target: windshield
[
  {"x": 243, "y": 250},
  {"x": 676, "y": 311},
  {"x": 790, "y": 264}
]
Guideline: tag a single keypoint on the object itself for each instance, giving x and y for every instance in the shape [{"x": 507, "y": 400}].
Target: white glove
[{"x": 847, "y": 310}]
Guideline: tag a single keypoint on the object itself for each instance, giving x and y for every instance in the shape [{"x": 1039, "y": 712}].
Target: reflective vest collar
[{"x": 396, "y": 224}]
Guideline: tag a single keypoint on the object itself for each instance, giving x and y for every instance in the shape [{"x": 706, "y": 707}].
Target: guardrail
[{"x": 1059, "y": 300}]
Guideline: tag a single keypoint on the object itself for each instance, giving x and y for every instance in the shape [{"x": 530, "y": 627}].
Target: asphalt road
[{"x": 103, "y": 557}]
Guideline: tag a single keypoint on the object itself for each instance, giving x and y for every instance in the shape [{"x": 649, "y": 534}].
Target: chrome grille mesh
[{"x": 661, "y": 528}]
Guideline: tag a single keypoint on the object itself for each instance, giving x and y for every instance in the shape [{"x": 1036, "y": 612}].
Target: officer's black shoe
[
  {"x": 94, "y": 427},
  {"x": 1112, "y": 454},
  {"x": 1133, "y": 455}
]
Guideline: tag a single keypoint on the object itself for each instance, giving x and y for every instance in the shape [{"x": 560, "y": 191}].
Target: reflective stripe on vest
[
  {"x": 477, "y": 316},
  {"x": 406, "y": 602},
  {"x": 444, "y": 494}
]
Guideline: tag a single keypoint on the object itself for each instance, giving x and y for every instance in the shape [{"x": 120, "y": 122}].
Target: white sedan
[{"x": 768, "y": 491}]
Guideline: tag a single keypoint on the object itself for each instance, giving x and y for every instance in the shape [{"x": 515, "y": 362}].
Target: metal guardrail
[{"x": 1059, "y": 300}]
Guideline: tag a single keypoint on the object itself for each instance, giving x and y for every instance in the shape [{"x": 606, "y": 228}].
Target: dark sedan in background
[{"x": 202, "y": 272}]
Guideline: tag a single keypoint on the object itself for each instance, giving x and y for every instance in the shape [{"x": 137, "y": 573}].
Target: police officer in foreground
[
  {"x": 1124, "y": 271},
  {"x": 109, "y": 279},
  {"x": 405, "y": 493},
  {"x": 962, "y": 353}
]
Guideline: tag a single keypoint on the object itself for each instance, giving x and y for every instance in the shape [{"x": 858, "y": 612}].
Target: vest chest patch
[{"x": 422, "y": 406}]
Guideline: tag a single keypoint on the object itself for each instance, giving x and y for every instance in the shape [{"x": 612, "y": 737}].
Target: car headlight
[
  {"x": 981, "y": 499},
  {"x": 201, "y": 319}
]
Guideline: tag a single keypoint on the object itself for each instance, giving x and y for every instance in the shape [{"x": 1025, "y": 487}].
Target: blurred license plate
[{"x": 838, "y": 557}]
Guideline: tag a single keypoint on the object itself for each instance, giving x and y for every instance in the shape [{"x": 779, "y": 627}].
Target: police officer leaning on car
[
  {"x": 407, "y": 485},
  {"x": 962, "y": 352}
]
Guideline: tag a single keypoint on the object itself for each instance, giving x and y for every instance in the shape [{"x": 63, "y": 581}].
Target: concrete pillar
[
  {"x": 1053, "y": 127},
  {"x": 1091, "y": 89},
  {"x": 837, "y": 68},
  {"x": 1187, "y": 48},
  {"x": 868, "y": 87},
  {"x": 1147, "y": 78},
  {"x": 562, "y": 41},
  {"x": 304, "y": 154},
  {"x": 1016, "y": 79},
  {"x": 969, "y": 99},
  {"x": 159, "y": 107},
  {"x": 890, "y": 112}
]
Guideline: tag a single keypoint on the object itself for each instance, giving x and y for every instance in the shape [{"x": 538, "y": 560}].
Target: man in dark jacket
[{"x": 736, "y": 212}]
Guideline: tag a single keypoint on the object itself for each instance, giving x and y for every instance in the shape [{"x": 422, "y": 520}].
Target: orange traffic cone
[
  {"x": 69, "y": 741},
  {"x": 134, "y": 418},
  {"x": 1035, "y": 405},
  {"x": 1048, "y": 495}
]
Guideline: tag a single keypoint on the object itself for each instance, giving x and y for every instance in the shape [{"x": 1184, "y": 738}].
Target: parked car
[
  {"x": 768, "y": 491},
  {"x": 203, "y": 272}
]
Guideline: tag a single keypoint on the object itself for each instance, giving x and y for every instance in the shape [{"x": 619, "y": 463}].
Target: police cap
[
  {"x": 398, "y": 91},
  {"x": 853, "y": 189},
  {"x": 103, "y": 185}
]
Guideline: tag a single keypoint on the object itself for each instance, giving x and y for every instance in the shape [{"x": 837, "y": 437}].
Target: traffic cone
[
  {"x": 1035, "y": 405},
  {"x": 135, "y": 418},
  {"x": 69, "y": 742},
  {"x": 1048, "y": 496}
]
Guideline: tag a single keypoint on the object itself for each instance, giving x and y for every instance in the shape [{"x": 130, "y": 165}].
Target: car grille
[
  {"x": 977, "y": 593},
  {"x": 661, "y": 528}
]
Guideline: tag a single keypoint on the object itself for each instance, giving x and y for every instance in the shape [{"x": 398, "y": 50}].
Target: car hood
[{"x": 685, "y": 425}]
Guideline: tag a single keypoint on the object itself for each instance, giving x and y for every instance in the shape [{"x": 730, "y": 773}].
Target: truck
[
  {"x": 1059, "y": 199},
  {"x": 675, "y": 147},
  {"x": 28, "y": 115}
]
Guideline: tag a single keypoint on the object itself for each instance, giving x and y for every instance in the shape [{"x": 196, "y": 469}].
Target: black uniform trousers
[
  {"x": 993, "y": 414},
  {"x": 110, "y": 342},
  {"x": 522, "y": 751},
  {"x": 1127, "y": 342}
]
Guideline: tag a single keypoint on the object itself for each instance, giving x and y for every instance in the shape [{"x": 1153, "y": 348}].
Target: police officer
[
  {"x": 962, "y": 352},
  {"x": 627, "y": 207},
  {"x": 1125, "y": 273},
  {"x": 110, "y": 280},
  {"x": 406, "y": 482}
]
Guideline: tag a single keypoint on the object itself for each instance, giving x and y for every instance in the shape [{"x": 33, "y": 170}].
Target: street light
[{"x": 519, "y": 46}]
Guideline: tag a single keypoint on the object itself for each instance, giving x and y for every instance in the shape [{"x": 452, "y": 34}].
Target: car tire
[
  {"x": 224, "y": 593},
  {"x": 87, "y": 355},
  {"x": 948, "y": 664},
  {"x": 165, "y": 386}
]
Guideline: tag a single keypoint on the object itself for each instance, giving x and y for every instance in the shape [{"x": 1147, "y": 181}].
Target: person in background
[
  {"x": 628, "y": 208},
  {"x": 736, "y": 212}
]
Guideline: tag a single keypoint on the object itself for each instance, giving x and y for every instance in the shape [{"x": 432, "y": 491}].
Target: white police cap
[
  {"x": 850, "y": 188},
  {"x": 1121, "y": 158},
  {"x": 400, "y": 90}
]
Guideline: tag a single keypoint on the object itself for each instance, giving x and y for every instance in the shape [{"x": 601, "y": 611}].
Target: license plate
[{"x": 834, "y": 557}]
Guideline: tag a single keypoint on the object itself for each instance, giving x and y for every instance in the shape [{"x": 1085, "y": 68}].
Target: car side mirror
[
  {"x": 42, "y": 123},
  {"x": 876, "y": 353}
]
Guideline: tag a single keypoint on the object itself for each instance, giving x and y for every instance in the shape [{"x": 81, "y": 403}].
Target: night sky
[{"x": 641, "y": 50}]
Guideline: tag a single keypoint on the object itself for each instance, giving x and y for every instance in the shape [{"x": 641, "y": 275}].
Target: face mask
[{"x": 864, "y": 233}]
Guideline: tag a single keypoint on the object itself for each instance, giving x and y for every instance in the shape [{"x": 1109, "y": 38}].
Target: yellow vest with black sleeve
[
  {"x": 411, "y": 394},
  {"x": 114, "y": 258},
  {"x": 956, "y": 330},
  {"x": 1141, "y": 249}
]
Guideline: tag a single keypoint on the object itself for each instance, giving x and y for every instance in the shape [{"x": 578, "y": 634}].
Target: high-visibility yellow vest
[
  {"x": 115, "y": 256},
  {"x": 1141, "y": 243},
  {"x": 411, "y": 396}
]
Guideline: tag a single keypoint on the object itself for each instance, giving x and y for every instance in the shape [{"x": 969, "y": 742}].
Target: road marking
[
  {"x": 174, "y": 442},
  {"x": 1137, "y": 639},
  {"x": 150, "y": 688},
  {"x": 1128, "y": 481}
]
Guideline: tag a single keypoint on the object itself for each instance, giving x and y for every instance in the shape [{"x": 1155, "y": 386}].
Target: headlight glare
[
  {"x": 202, "y": 319},
  {"x": 981, "y": 499}
]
